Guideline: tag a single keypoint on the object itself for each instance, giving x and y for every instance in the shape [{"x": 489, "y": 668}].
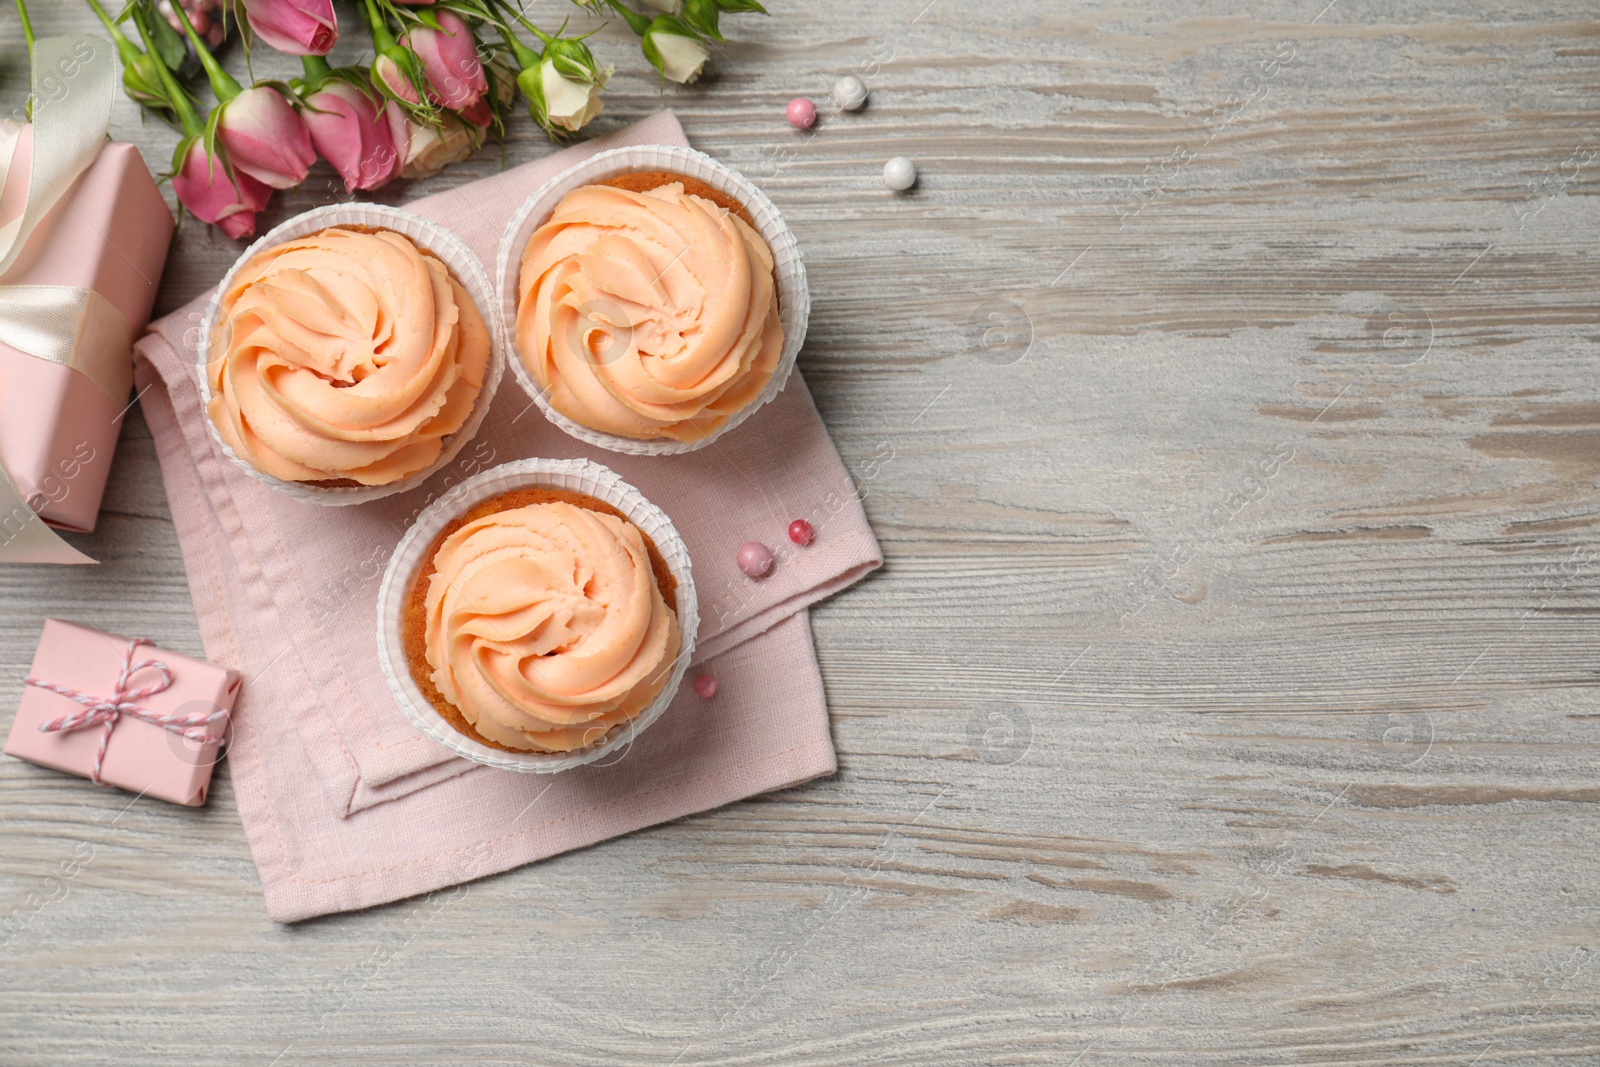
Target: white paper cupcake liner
[
  {"x": 575, "y": 475},
  {"x": 794, "y": 297},
  {"x": 430, "y": 236}
]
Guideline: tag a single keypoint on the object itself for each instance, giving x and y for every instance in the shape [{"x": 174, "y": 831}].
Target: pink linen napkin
[{"x": 345, "y": 803}]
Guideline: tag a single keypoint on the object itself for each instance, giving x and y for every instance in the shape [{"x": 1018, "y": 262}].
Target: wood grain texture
[{"x": 1224, "y": 397}]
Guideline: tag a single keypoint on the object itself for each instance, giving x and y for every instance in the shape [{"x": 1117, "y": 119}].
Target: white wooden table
[{"x": 1225, "y": 398}]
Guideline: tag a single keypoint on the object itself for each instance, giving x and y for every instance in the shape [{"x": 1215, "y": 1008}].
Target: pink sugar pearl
[
  {"x": 755, "y": 559},
  {"x": 706, "y": 686},
  {"x": 801, "y": 533},
  {"x": 802, "y": 113}
]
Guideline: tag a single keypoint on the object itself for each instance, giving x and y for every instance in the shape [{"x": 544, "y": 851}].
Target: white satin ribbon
[
  {"x": 24, "y": 538},
  {"x": 74, "y": 86},
  {"x": 71, "y": 326}
]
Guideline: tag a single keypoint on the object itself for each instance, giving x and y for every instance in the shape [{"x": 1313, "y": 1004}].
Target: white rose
[
  {"x": 681, "y": 57},
  {"x": 431, "y": 148},
  {"x": 570, "y": 104}
]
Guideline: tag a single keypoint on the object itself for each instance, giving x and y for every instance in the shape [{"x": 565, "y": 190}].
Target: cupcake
[
  {"x": 647, "y": 301},
  {"x": 541, "y": 621},
  {"x": 345, "y": 357}
]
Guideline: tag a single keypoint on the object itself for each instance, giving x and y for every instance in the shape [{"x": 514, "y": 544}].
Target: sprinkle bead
[
  {"x": 755, "y": 559},
  {"x": 899, "y": 174},
  {"x": 802, "y": 113},
  {"x": 800, "y": 532},
  {"x": 849, "y": 93},
  {"x": 706, "y": 686}
]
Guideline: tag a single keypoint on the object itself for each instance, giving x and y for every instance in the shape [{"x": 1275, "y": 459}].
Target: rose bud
[
  {"x": 214, "y": 194},
  {"x": 266, "y": 138},
  {"x": 674, "y": 49},
  {"x": 670, "y": 45},
  {"x": 563, "y": 87},
  {"x": 141, "y": 78},
  {"x": 430, "y": 148},
  {"x": 395, "y": 73},
  {"x": 296, "y": 27},
  {"x": 449, "y": 57},
  {"x": 350, "y": 130},
  {"x": 143, "y": 84}
]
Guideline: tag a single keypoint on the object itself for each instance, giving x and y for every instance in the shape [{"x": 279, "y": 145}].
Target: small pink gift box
[
  {"x": 109, "y": 234},
  {"x": 123, "y": 713}
]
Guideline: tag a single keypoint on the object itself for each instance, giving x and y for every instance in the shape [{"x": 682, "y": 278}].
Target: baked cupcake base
[
  {"x": 642, "y": 181},
  {"x": 413, "y": 624}
]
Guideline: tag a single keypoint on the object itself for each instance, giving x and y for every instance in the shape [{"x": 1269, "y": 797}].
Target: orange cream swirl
[
  {"x": 545, "y": 627},
  {"x": 648, "y": 315},
  {"x": 344, "y": 354}
]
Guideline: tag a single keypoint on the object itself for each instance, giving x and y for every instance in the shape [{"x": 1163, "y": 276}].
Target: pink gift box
[
  {"x": 140, "y": 757},
  {"x": 109, "y": 233}
]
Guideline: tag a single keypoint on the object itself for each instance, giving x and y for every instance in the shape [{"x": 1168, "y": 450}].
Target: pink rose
[
  {"x": 351, "y": 131},
  {"x": 389, "y": 75},
  {"x": 449, "y": 58},
  {"x": 265, "y": 138},
  {"x": 298, "y": 27},
  {"x": 207, "y": 189}
]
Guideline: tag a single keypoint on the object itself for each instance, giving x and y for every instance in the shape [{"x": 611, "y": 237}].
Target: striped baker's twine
[{"x": 107, "y": 710}]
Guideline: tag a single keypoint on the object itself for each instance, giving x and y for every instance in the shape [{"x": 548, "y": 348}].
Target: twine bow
[{"x": 123, "y": 701}]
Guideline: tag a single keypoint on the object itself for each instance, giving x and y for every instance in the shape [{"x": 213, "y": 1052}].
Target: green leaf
[
  {"x": 639, "y": 24},
  {"x": 674, "y": 25},
  {"x": 170, "y": 44},
  {"x": 702, "y": 16},
  {"x": 213, "y": 146}
]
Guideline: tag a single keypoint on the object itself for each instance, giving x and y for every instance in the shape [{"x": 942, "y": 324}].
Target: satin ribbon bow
[
  {"x": 123, "y": 701},
  {"x": 74, "y": 86}
]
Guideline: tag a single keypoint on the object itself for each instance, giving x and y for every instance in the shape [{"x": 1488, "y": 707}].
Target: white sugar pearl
[
  {"x": 849, "y": 93},
  {"x": 899, "y": 174}
]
